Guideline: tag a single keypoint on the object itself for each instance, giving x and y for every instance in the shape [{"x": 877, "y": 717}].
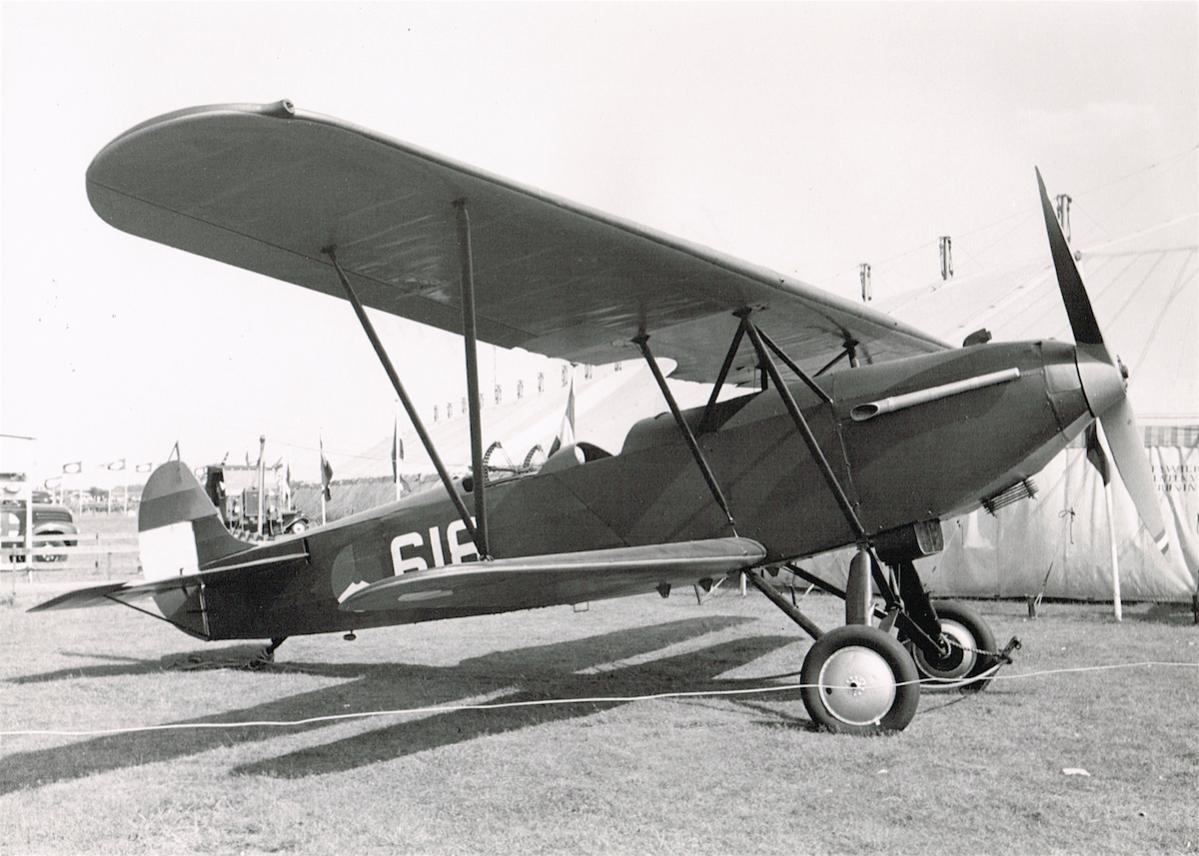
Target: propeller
[{"x": 1103, "y": 382}]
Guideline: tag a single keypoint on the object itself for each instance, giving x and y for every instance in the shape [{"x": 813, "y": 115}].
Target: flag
[
  {"x": 326, "y": 474},
  {"x": 285, "y": 488},
  {"x": 566, "y": 431},
  {"x": 397, "y": 450},
  {"x": 1095, "y": 454},
  {"x": 117, "y": 465},
  {"x": 144, "y": 468},
  {"x": 73, "y": 467}
]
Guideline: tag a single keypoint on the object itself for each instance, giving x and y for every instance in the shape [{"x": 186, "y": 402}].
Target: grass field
[{"x": 748, "y": 774}]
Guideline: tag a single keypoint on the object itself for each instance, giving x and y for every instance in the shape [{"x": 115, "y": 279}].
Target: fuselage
[{"x": 925, "y": 462}]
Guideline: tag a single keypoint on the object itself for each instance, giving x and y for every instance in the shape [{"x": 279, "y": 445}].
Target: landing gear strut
[
  {"x": 950, "y": 643},
  {"x": 966, "y": 652},
  {"x": 860, "y": 678},
  {"x": 856, "y": 679}
]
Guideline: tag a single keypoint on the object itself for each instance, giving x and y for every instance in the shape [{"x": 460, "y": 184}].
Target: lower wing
[{"x": 558, "y": 577}]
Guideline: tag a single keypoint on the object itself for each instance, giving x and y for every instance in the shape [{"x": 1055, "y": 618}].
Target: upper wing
[
  {"x": 267, "y": 188},
  {"x": 558, "y": 578}
]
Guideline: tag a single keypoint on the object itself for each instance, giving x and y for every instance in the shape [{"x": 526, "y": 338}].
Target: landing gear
[
  {"x": 856, "y": 679},
  {"x": 966, "y": 649},
  {"x": 267, "y": 654},
  {"x": 859, "y": 680}
]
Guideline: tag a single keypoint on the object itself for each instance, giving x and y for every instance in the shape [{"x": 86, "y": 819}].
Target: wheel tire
[
  {"x": 968, "y": 633},
  {"x": 859, "y": 680}
]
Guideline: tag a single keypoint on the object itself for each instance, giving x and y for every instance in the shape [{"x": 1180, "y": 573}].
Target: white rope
[{"x": 551, "y": 702}]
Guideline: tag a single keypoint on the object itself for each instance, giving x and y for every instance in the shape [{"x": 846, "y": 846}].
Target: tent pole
[
  {"x": 1111, "y": 537},
  {"x": 1100, "y": 439}
]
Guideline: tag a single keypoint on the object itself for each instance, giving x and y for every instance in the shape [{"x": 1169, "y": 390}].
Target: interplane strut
[
  {"x": 381, "y": 352},
  {"x": 470, "y": 339}
]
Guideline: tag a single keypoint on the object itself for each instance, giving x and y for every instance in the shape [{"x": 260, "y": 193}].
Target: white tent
[
  {"x": 1145, "y": 293},
  {"x": 606, "y": 406}
]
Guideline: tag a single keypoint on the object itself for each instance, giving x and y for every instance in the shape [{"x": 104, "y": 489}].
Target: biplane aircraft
[{"x": 855, "y": 430}]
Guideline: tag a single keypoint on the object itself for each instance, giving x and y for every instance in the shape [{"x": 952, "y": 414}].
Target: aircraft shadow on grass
[{"x": 499, "y": 676}]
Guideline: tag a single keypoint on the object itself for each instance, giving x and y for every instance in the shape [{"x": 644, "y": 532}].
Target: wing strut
[
  {"x": 642, "y": 342},
  {"x": 826, "y": 470},
  {"x": 470, "y": 337},
  {"x": 369, "y": 329}
]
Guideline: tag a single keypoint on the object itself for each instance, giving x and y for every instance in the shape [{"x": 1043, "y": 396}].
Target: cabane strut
[
  {"x": 849, "y": 350},
  {"x": 642, "y": 342}
]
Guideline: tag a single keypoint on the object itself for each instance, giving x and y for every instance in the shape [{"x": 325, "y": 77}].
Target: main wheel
[
  {"x": 859, "y": 680},
  {"x": 968, "y": 637}
]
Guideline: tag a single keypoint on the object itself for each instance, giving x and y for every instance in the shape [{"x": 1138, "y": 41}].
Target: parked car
[
  {"x": 233, "y": 490},
  {"x": 48, "y": 519}
]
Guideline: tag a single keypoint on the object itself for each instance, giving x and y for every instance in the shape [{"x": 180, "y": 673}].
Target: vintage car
[
  {"x": 233, "y": 489},
  {"x": 48, "y": 519}
]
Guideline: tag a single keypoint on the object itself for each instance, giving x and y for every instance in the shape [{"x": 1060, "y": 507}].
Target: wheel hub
[
  {"x": 960, "y": 659},
  {"x": 857, "y": 685}
]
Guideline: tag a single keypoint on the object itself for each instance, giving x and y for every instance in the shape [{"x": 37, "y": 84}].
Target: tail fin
[{"x": 178, "y": 528}]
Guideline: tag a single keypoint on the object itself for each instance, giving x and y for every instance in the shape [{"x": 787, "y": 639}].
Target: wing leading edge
[{"x": 266, "y": 188}]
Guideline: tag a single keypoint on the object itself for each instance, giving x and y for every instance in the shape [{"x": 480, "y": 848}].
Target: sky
[{"x": 804, "y": 137}]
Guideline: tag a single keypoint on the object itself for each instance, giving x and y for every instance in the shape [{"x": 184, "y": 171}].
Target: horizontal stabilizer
[
  {"x": 118, "y": 592},
  {"x": 79, "y": 598},
  {"x": 559, "y": 577}
]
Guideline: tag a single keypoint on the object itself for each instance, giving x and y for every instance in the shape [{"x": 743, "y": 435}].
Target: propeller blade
[
  {"x": 1125, "y": 440},
  {"x": 1074, "y": 295},
  {"x": 1102, "y": 382}
]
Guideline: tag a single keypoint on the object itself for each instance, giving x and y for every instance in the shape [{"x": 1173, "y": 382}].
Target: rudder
[{"x": 179, "y": 530}]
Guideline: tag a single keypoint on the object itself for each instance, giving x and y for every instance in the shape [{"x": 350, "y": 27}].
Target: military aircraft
[{"x": 856, "y": 429}]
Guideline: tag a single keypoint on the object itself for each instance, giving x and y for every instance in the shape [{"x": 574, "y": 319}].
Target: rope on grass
[{"x": 551, "y": 702}]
